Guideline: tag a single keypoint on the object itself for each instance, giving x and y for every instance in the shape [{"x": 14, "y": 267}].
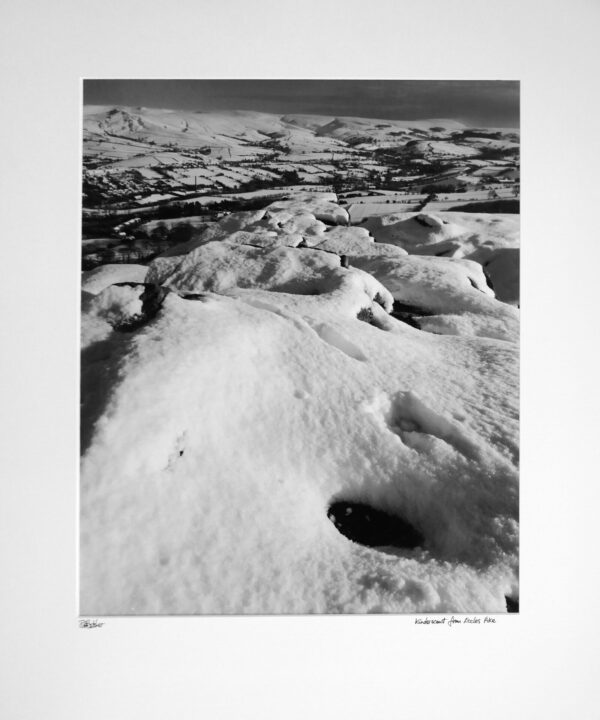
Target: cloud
[{"x": 476, "y": 102}]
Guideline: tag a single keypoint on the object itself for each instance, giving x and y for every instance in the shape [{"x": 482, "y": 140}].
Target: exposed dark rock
[
  {"x": 152, "y": 297},
  {"x": 366, "y": 315}
]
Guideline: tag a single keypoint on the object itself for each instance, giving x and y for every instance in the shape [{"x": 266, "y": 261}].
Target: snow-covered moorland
[{"x": 286, "y": 416}]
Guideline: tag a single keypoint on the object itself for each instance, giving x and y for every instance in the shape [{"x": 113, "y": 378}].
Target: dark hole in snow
[
  {"x": 512, "y": 606},
  {"x": 400, "y": 307},
  {"x": 193, "y": 296},
  {"x": 180, "y": 453},
  {"x": 127, "y": 284},
  {"x": 421, "y": 221},
  {"x": 365, "y": 525},
  {"x": 409, "y": 314}
]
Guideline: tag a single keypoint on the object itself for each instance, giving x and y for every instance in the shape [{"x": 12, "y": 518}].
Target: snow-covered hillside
[
  {"x": 140, "y": 156},
  {"x": 238, "y": 127},
  {"x": 253, "y": 403}
]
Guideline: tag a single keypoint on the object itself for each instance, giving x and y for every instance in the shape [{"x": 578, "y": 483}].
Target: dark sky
[{"x": 491, "y": 103}]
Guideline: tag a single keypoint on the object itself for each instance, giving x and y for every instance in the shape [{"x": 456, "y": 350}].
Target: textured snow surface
[
  {"x": 220, "y": 267},
  {"x": 493, "y": 240},
  {"x": 287, "y": 222},
  {"x": 427, "y": 233},
  {"x": 216, "y": 435}
]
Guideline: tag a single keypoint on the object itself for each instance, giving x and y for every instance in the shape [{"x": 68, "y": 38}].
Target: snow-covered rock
[
  {"x": 111, "y": 307},
  {"x": 492, "y": 240},
  {"x": 274, "y": 384},
  {"x": 222, "y": 266},
  {"x": 471, "y": 231},
  {"x": 323, "y": 206},
  {"x": 94, "y": 281},
  {"x": 444, "y": 286},
  {"x": 287, "y": 222}
]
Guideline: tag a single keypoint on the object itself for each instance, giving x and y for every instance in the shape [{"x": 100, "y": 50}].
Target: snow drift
[
  {"x": 490, "y": 239},
  {"x": 273, "y": 394}
]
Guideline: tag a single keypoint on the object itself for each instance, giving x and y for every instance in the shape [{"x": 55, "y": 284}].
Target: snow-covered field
[
  {"x": 132, "y": 151},
  {"x": 385, "y": 202},
  {"x": 360, "y": 211},
  {"x": 250, "y": 412}
]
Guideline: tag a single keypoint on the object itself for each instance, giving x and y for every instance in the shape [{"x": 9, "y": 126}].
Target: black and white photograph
[
  {"x": 299, "y": 399},
  {"x": 300, "y": 347}
]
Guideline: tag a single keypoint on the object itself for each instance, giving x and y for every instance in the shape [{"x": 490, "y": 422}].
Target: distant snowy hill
[
  {"x": 148, "y": 155},
  {"x": 188, "y": 127},
  {"x": 240, "y": 130}
]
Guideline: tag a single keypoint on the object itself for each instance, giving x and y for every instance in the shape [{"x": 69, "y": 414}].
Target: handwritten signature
[
  {"x": 474, "y": 620},
  {"x": 90, "y": 624}
]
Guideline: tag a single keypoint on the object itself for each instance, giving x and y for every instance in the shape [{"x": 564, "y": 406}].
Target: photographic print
[{"x": 299, "y": 347}]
